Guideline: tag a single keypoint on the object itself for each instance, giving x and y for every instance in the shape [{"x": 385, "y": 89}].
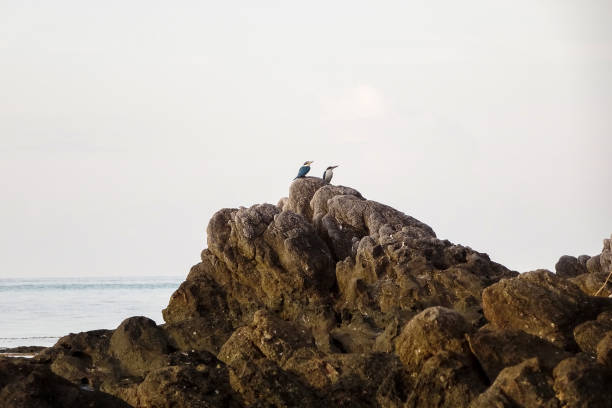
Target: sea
[{"x": 37, "y": 312}]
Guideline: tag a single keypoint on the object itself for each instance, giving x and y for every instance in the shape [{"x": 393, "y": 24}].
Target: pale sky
[{"x": 124, "y": 125}]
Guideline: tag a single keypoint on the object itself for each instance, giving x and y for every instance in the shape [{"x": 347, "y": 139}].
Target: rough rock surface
[
  {"x": 30, "y": 384},
  {"x": 522, "y": 385},
  {"x": 540, "y": 303},
  {"x": 569, "y": 267},
  {"x": 331, "y": 299}
]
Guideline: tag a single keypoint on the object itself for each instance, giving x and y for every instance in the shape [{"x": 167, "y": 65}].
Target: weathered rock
[
  {"x": 593, "y": 265},
  {"x": 582, "y": 259},
  {"x": 434, "y": 330},
  {"x": 588, "y": 334},
  {"x": 569, "y": 267},
  {"x": 31, "y": 384},
  {"x": 198, "y": 316},
  {"x": 446, "y": 380},
  {"x": 392, "y": 277},
  {"x": 579, "y": 382},
  {"x": 329, "y": 299},
  {"x": 521, "y": 385},
  {"x": 433, "y": 348},
  {"x": 604, "y": 350},
  {"x": 289, "y": 351},
  {"x": 498, "y": 349},
  {"x": 606, "y": 256},
  {"x": 590, "y": 283},
  {"x": 539, "y": 303},
  {"x": 301, "y": 192},
  {"x": 259, "y": 380},
  {"x": 192, "y": 380},
  {"x": 258, "y": 257},
  {"x": 139, "y": 346},
  {"x": 82, "y": 358},
  {"x": 338, "y": 237}
]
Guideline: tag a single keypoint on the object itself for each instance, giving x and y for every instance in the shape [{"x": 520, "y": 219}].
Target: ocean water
[{"x": 37, "y": 312}]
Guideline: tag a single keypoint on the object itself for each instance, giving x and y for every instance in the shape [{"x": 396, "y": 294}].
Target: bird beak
[
  {"x": 310, "y": 162},
  {"x": 333, "y": 167}
]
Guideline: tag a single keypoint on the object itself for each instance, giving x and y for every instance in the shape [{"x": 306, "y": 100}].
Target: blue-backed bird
[
  {"x": 328, "y": 173},
  {"x": 304, "y": 170}
]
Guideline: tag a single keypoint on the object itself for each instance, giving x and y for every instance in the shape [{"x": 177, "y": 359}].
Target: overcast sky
[{"x": 125, "y": 125}]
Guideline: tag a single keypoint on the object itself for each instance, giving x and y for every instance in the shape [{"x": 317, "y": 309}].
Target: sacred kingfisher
[
  {"x": 304, "y": 169},
  {"x": 328, "y": 173}
]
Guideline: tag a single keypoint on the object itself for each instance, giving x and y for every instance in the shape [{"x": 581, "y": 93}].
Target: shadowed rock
[
  {"x": 139, "y": 346},
  {"x": 31, "y": 384},
  {"x": 521, "y": 385},
  {"x": 588, "y": 334},
  {"x": 569, "y": 267},
  {"x": 498, "y": 349},
  {"x": 539, "y": 303},
  {"x": 580, "y": 382}
]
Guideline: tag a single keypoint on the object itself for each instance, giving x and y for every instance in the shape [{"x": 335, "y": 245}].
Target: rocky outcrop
[
  {"x": 31, "y": 384},
  {"x": 598, "y": 269},
  {"x": 331, "y": 299},
  {"x": 542, "y": 304}
]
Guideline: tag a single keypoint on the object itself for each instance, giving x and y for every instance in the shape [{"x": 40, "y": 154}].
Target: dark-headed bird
[
  {"x": 328, "y": 173},
  {"x": 304, "y": 170}
]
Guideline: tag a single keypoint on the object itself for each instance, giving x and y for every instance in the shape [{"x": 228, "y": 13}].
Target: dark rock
[
  {"x": 22, "y": 350},
  {"x": 498, "y": 349},
  {"x": 593, "y": 265},
  {"x": 82, "y": 357},
  {"x": 31, "y": 384},
  {"x": 588, "y": 334},
  {"x": 434, "y": 351},
  {"x": 582, "y": 259},
  {"x": 590, "y": 283},
  {"x": 580, "y": 382},
  {"x": 271, "y": 351},
  {"x": 446, "y": 380},
  {"x": 139, "y": 346},
  {"x": 539, "y": 303},
  {"x": 434, "y": 330},
  {"x": 569, "y": 267},
  {"x": 604, "y": 350},
  {"x": 191, "y": 380},
  {"x": 521, "y": 385}
]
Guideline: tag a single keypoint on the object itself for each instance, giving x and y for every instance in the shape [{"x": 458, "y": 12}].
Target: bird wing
[{"x": 303, "y": 171}]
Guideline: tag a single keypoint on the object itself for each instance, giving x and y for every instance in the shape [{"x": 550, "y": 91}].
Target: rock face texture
[{"x": 331, "y": 299}]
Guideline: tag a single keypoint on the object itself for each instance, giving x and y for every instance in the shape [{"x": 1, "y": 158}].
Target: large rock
[
  {"x": 82, "y": 358},
  {"x": 31, "y": 384},
  {"x": 435, "y": 353},
  {"x": 139, "y": 346},
  {"x": 579, "y": 382},
  {"x": 589, "y": 333},
  {"x": 539, "y": 303},
  {"x": 301, "y": 192},
  {"x": 569, "y": 267},
  {"x": 521, "y": 385},
  {"x": 191, "y": 380},
  {"x": 330, "y": 299},
  {"x": 393, "y": 276},
  {"x": 498, "y": 349},
  {"x": 271, "y": 353},
  {"x": 446, "y": 380},
  {"x": 434, "y": 330}
]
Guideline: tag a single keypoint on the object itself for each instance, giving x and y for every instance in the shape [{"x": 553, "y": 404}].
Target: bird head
[
  {"x": 331, "y": 167},
  {"x": 307, "y": 163}
]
